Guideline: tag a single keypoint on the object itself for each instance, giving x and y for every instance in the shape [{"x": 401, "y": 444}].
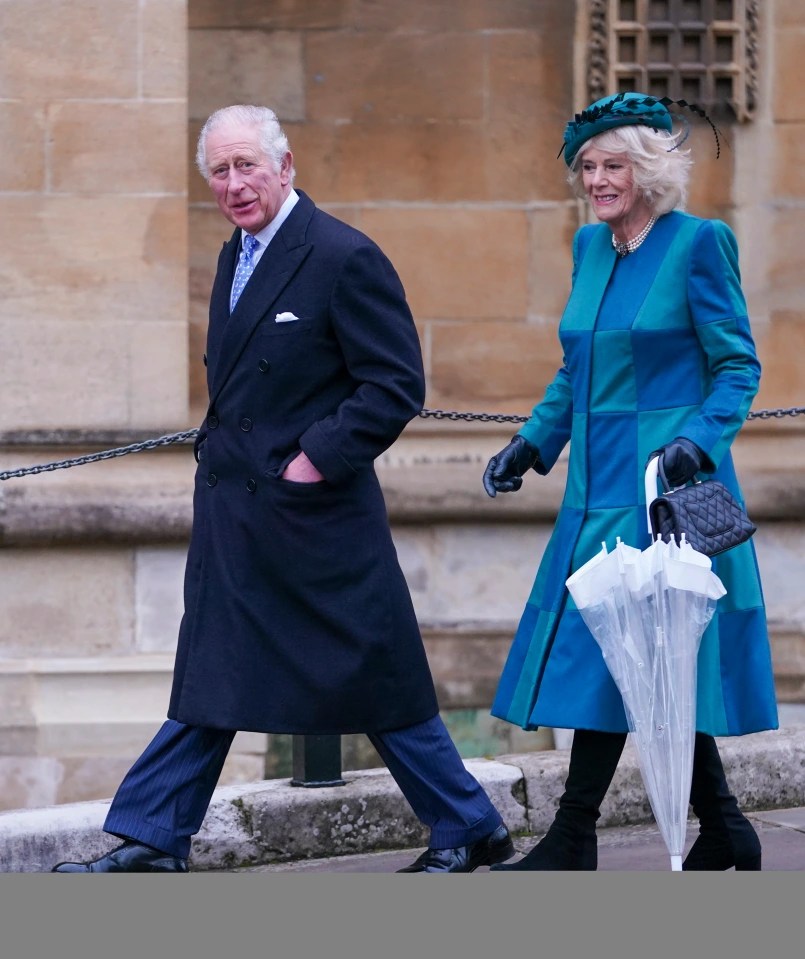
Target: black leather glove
[
  {"x": 504, "y": 472},
  {"x": 681, "y": 461}
]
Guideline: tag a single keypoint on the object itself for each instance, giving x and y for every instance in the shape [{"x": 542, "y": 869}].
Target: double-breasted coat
[
  {"x": 656, "y": 345},
  {"x": 297, "y": 617}
]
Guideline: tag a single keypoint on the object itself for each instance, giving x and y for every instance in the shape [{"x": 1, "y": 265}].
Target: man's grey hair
[
  {"x": 661, "y": 170},
  {"x": 272, "y": 138}
]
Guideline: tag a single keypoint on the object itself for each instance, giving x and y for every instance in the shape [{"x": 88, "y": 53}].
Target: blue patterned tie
[{"x": 244, "y": 270}]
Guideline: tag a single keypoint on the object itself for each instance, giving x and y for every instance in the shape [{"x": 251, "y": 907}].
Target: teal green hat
[{"x": 617, "y": 110}]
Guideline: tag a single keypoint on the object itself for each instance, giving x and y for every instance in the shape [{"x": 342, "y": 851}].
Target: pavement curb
[{"x": 273, "y": 822}]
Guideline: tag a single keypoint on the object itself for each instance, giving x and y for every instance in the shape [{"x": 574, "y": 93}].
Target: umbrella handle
[{"x": 652, "y": 472}]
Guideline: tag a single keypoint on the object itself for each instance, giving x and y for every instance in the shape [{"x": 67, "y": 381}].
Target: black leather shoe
[
  {"x": 496, "y": 847},
  {"x": 130, "y": 857}
]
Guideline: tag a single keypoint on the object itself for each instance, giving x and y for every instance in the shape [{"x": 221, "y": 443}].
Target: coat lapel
[{"x": 285, "y": 254}]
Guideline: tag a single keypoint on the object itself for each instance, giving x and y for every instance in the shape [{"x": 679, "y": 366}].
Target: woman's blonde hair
[{"x": 661, "y": 170}]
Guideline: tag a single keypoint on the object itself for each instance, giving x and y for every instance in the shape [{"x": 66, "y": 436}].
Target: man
[{"x": 297, "y": 616}]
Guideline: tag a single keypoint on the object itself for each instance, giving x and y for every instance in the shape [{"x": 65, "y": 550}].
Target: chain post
[{"x": 317, "y": 761}]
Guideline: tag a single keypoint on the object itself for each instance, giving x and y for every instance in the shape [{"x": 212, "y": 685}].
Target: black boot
[
  {"x": 570, "y": 843},
  {"x": 726, "y": 837}
]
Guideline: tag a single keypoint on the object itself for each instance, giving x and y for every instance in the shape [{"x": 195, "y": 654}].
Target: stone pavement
[
  {"x": 620, "y": 849},
  {"x": 367, "y": 825}
]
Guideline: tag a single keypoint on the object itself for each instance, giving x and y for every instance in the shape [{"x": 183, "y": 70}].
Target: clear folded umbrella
[{"x": 647, "y": 610}]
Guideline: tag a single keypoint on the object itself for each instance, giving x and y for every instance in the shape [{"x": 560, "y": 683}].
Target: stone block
[
  {"x": 246, "y": 66},
  {"x": 788, "y": 178},
  {"x": 550, "y": 245},
  {"x": 410, "y": 160},
  {"x": 781, "y": 344},
  {"x": 482, "y": 15},
  {"x": 164, "y": 56},
  {"x": 277, "y": 15},
  {"x": 99, "y": 503},
  {"x": 154, "y": 383},
  {"x": 29, "y": 782},
  {"x": 505, "y": 364},
  {"x": 787, "y": 13},
  {"x": 198, "y": 192},
  {"x": 529, "y": 95},
  {"x": 122, "y": 694},
  {"x": 267, "y": 822},
  {"x": 59, "y": 276},
  {"x": 424, "y": 161},
  {"x": 66, "y": 602},
  {"x": 459, "y": 574},
  {"x": 457, "y": 263},
  {"x": 75, "y": 352},
  {"x": 78, "y": 49},
  {"x": 781, "y": 556},
  {"x": 158, "y": 375},
  {"x": 88, "y": 779},
  {"x": 788, "y": 656},
  {"x": 159, "y": 575},
  {"x": 22, "y": 130},
  {"x": 17, "y": 687},
  {"x": 252, "y": 824},
  {"x": 784, "y": 252},
  {"x": 67, "y": 258},
  {"x": 712, "y": 179},
  {"x": 366, "y": 76},
  {"x": 138, "y": 141},
  {"x": 466, "y": 664},
  {"x": 197, "y": 343},
  {"x": 35, "y": 840},
  {"x": 544, "y": 775},
  {"x": 789, "y": 52},
  {"x": 765, "y": 771},
  {"x": 210, "y": 231},
  {"x": 432, "y": 475}
]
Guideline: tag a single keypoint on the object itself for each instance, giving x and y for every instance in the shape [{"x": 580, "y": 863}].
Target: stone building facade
[{"x": 433, "y": 126}]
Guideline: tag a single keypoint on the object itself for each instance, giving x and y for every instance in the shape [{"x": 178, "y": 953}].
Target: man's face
[{"x": 247, "y": 186}]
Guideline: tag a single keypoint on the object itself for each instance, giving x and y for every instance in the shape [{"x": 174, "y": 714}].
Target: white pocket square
[{"x": 285, "y": 317}]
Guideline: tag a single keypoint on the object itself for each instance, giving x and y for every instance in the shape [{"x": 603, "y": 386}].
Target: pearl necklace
[{"x": 629, "y": 246}]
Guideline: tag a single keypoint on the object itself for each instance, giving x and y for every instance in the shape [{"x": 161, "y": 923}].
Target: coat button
[
  {"x": 212, "y": 479},
  {"x": 245, "y": 424},
  {"x": 205, "y": 359},
  {"x": 264, "y": 366},
  {"x": 251, "y": 486},
  {"x": 212, "y": 421}
]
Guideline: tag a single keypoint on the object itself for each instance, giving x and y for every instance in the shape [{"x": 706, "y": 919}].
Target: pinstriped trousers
[{"x": 164, "y": 797}]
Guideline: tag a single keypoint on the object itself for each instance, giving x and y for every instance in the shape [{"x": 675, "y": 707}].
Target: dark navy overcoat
[{"x": 297, "y": 617}]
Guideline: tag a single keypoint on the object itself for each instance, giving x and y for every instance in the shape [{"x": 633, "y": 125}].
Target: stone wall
[
  {"x": 93, "y": 202},
  {"x": 433, "y": 126}
]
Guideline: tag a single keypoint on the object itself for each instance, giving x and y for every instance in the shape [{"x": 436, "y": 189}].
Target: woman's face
[{"x": 609, "y": 184}]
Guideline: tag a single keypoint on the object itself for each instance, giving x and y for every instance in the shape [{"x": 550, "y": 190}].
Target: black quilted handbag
[{"x": 706, "y": 512}]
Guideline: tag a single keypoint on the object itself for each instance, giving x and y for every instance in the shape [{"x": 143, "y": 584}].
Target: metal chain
[
  {"x": 105, "y": 455},
  {"x": 451, "y": 415},
  {"x": 505, "y": 418}
]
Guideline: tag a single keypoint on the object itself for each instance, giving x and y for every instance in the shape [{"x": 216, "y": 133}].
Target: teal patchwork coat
[{"x": 656, "y": 345}]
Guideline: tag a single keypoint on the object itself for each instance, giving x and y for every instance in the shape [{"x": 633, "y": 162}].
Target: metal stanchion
[{"x": 317, "y": 761}]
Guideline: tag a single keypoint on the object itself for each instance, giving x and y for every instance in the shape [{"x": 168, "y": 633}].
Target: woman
[{"x": 658, "y": 358}]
